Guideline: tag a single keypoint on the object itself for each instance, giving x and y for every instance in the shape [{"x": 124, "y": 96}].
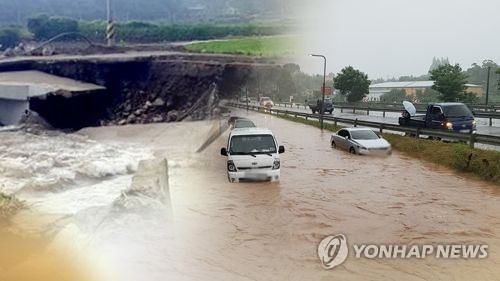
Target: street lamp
[
  {"x": 322, "y": 110},
  {"x": 488, "y": 85}
]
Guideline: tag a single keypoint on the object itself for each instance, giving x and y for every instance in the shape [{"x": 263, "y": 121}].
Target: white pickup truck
[{"x": 252, "y": 155}]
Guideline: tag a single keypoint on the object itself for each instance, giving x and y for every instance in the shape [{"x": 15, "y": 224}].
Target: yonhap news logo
[{"x": 334, "y": 250}]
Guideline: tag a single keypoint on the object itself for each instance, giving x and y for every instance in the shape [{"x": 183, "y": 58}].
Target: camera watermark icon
[{"x": 333, "y": 251}]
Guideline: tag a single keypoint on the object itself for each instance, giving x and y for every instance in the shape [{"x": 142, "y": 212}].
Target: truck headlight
[
  {"x": 449, "y": 125},
  {"x": 276, "y": 164},
  {"x": 474, "y": 124},
  {"x": 231, "y": 167}
]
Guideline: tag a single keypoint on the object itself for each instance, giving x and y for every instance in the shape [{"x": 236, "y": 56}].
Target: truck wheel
[{"x": 352, "y": 150}]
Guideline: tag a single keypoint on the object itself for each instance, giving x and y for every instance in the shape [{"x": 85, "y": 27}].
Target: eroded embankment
[{"x": 143, "y": 89}]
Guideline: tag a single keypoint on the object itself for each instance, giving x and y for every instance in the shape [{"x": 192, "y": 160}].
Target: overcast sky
[{"x": 386, "y": 38}]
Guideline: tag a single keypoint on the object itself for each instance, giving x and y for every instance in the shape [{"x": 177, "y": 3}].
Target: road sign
[{"x": 327, "y": 91}]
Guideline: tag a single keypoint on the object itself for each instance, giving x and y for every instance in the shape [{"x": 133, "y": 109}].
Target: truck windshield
[
  {"x": 252, "y": 144},
  {"x": 364, "y": 135},
  {"x": 459, "y": 110}
]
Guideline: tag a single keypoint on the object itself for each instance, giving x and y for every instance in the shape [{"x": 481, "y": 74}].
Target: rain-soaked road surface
[{"x": 270, "y": 231}]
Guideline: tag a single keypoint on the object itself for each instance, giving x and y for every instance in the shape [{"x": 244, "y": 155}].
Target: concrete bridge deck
[{"x": 18, "y": 87}]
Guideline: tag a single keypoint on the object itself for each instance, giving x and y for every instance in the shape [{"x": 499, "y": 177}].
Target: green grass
[
  {"x": 477, "y": 163},
  {"x": 483, "y": 164},
  {"x": 255, "y": 46}
]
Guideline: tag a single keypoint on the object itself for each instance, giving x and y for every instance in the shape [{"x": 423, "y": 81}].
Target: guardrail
[
  {"x": 367, "y": 108},
  {"x": 419, "y": 106},
  {"x": 471, "y": 138},
  {"x": 422, "y": 106}
]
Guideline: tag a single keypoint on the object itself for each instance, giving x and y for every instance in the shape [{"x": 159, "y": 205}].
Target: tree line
[
  {"x": 168, "y": 11},
  {"x": 43, "y": 27}
]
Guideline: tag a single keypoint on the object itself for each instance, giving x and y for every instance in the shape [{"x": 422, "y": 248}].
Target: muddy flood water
[{"x": 215, "y": 230}]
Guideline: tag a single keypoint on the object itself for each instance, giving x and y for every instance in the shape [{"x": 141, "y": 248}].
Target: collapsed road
[{"x": 142, "y": 87}]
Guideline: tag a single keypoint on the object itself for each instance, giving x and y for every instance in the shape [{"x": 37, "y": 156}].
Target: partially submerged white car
[
  {"x": 361, "y": 141},
  {"x": 252, "y": 155}
]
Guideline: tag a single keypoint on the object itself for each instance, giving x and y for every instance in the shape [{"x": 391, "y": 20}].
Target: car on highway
[
  {"x": 327, "y": 106},
  {"x": 243, "y": 123},
  {"x": 252, "y": 154},
  {"x": 266, "y": 102},
  {"x": 362, "y": 141},
  {"x": 450, "y": 116}
]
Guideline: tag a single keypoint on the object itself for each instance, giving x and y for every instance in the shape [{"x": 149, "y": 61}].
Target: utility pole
[
  {"x": 488, "y": 85},
  {"x": 322, "y": 110},
  {"x": 110, "y": 28}
]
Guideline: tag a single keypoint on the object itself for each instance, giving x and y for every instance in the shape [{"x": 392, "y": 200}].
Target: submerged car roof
[
  {"x": 447, "y": 103},
  {"x": 250, "y": 131},
  {"x": 358, "y": 129}
]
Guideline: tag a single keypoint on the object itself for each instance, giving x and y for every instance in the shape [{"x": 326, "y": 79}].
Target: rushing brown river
[{"x": 270, "y": 231}]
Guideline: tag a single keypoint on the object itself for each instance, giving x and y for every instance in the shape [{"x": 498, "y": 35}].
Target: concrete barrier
[
  {"x": 149, "y": 189},
  {"x": 12, "y": 111}
]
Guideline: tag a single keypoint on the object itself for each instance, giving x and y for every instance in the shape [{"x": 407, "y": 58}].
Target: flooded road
[{"x": 270, "y": 231}]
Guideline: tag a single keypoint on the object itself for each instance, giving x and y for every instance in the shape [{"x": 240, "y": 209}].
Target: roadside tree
[
  {"x": 449, "y": 81},
  {"x": 352, "y": 83},
  {"x": 498, "y": 72},
  {"x": 9, "y": 38},
  {"x": 44, "y": 27}
]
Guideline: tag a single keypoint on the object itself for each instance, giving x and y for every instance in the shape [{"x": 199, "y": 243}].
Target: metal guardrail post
[
  {"x": 368, "y": 110},
  {"x": 472, "y": 140},
  {"x": 381, "y": 129},
  {"x": 335, "y": 121},
  {"x": 491, "y": 121},
  {"x": 354, "y": 109},
  {"x": 383, "y": 114},
  {"x": 417, "y": 133},
  {"x": 341, "y": 110},
  {"x": 355, "y": 122}
]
